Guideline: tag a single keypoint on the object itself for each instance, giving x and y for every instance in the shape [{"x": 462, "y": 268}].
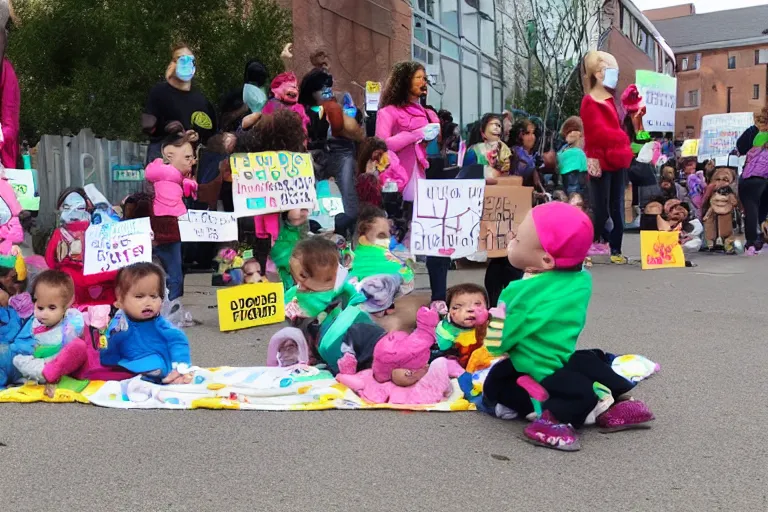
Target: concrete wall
[
  {"x": 363, "y": 37},
  {"x": 665, "y": 13},
  {"x": 712, "y": 80}
]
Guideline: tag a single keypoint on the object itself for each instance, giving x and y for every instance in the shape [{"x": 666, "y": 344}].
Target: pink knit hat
[
  {"x": 398, "y": 350},
  {"x": 564, "y": 231}
]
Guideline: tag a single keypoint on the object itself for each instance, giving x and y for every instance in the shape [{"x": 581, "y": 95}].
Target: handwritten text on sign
[
  {"x": 205, "y": 226},
  {"x": 116, "y": 245},
  {"x": 661, "y": 249},
  {"x": 272, "y": 182},
  {"x": 250, "y": 305},
  {"x": 446, "y": 217},
  {"x": 503, "y": 210}
]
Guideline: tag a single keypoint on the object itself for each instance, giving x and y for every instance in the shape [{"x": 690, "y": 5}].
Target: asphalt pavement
[{"x": 705, "y": 452}]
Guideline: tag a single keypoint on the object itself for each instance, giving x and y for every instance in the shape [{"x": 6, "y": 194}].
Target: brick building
[
  {"x": 630, "y": 37},
  {"x": 363, "y": 37},
  {"x": 722, "y": 63}
]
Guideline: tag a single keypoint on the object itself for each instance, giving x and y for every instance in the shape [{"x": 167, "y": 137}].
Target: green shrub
[{"x": 91, "y": 63}]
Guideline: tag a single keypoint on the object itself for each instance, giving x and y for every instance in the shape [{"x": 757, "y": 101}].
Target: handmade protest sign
[
  {"x": 661, "y": 249},
  {"x": 690, "y": 147},
  {"x": 272, "y": 182},
  {"x": 329, "y": 204},
  {"x": 504, "y": 209},
  {"x": 250, "y": 305},
  {"x": 117, "y": 244},
  {"x": 446, "y": 217},
  {"x": 719, "y": 133},
  {"x": 206, "y": 226},
  {"x": 660, "y": 94},
  {"x": 23, "y": 183}
]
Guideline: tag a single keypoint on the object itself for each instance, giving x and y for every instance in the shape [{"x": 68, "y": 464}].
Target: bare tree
[{"x": 550, "y": 38}]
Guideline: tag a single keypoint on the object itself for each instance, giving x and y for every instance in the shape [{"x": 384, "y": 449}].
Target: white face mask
[
  {"x": 611, "y": 78},
  {"x": 382, "y": 242}
]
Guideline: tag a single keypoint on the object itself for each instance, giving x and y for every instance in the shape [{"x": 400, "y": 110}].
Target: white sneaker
[{"x": 504, "y": 413}]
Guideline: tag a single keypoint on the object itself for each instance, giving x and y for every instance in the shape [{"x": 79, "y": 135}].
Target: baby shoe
[
  {"x": 548, "y": 432},
  {"x": 605, "y": 401},
  {"x": 504, "y": 413},
  {"x": 625, "y": 415}
]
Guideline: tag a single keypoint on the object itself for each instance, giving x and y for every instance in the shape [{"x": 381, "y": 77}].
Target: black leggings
[
  {"x": 607, "y": 196},
  {"x": 571, "y": 395},
  {"x": 753, "y": 193}
]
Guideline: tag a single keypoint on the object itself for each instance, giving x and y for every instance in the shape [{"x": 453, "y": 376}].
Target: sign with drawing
[
  {"x": 661, "y": 249},
  {"x": 116, "y": 245},
  {"x": 272, "y": 181},
  {"x": 446, "y": 217},
  {"x": 659, "y": 92},
  {"x": 719, "y": 133}
]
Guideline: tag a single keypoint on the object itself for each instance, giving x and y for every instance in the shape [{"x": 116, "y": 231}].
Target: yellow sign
[
  {"x": 272, "y": 181},
  {"x": 372, "y": 87},
  {"x": 661, "y": 249},
  {"x": 690, "y": 148},
  {"x": 250, "y": 305}
]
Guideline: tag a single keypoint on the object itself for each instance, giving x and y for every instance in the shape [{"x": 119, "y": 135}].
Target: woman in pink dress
[{"x": 407, "y": 127}]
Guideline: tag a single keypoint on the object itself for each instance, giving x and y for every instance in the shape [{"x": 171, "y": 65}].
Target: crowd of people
[{"x": 353, "y": 306}]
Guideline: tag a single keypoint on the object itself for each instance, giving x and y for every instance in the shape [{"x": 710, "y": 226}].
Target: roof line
[{"x": 716, "y": 45}]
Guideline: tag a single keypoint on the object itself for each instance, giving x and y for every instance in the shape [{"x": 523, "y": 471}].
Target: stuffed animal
[{"x": 285, "y": 95}]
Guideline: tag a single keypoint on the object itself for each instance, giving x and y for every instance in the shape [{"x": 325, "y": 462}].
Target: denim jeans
[
  {"x": 170, "y": 257},
  {"x": 607, "y": 199},
  {"x": 342, "y": 164}
]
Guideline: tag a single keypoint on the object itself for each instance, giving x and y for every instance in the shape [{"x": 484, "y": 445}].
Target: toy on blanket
[
  {"x": 287, "y": 347},
  {"x": 634, "y": 367},
  {"x": 229, "y": 271},
  {"x": 401, "y": 373}
]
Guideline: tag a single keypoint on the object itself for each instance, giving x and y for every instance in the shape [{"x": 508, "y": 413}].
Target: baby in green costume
[{"x": 294, "y": 226}]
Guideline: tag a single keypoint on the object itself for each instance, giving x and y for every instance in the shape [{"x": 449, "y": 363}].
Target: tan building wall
[
  {"x": 665, "y": 13},
  {"x": 712, "y": 81},
  {"x": 363, "y": 37}
]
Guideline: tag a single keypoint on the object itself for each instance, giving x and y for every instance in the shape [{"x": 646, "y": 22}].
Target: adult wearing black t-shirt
[{"x": 173, "y": 105}]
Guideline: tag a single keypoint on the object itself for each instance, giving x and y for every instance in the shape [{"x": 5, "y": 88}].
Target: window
[
  {"x": 693, "y": 99},
  {"x": 684, "y": 64},
  {"x": 470, "y": 21},
  {"x": 731, "y": 62},
  {"x": 419, "y": 53},
  {"x": 451, "y": 100},
  {"x": 756, "y": 92},
  {"x": 697, "y": 61},
  {"x": 487, "y": 32},
  {"x": 449, "y": 15},
  {"x": 450, "y": 49},
  {"x": 757, "y": 57},
  {"x": 469, "y": 58},
  {"x": 626, "y": 22},
  {"x": 420, "y": 29},
  {"x": 486, "y": 95},
  {"x": 434, "y": 40},
  {"x": 427, "y": 7},
  {"x": 729, "y": 92},
  {"x": 469, "y": 96}
]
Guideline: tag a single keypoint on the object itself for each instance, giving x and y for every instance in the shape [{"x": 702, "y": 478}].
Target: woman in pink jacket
[{"x": 407, "y": 127}]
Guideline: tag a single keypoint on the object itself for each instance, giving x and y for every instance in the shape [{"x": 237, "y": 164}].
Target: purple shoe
[
  {"x": 598, "y": 249},
  {"x": 625, "y": 415},
  {"x": 547, "y": 432}
]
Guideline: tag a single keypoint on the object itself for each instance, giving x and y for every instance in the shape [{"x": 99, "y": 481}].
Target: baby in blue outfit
[{"x": 138, "y": 338}]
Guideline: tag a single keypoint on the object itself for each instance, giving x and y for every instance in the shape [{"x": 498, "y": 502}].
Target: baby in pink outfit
[
  {"x": 173, "y": 180},
  {"x": 60, "y": 337}
]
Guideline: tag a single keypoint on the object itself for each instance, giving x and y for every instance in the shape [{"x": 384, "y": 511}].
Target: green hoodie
[
  {"x": 287, "y": 239},
  {"x": 544, "y": 317}
]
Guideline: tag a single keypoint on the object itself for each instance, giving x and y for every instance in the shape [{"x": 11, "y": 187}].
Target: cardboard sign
[
  {"x": 271, "y": 182},
  {"x": 661, "y": 249},
  {"x": 660, "y": 94},
  {"x": 250, "y": 305},
  {"x": 205, "y": 226},
  {"x": 116, "y": 245},
  {"x": 446, "y": 217},
  {"x": 23, "y": 183},
  {"x": 372, "y": 96},
  {"x": 504, "y": 208},
  {"x": 329, "y": 204},
  {"x": 719, "y": 133}
]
